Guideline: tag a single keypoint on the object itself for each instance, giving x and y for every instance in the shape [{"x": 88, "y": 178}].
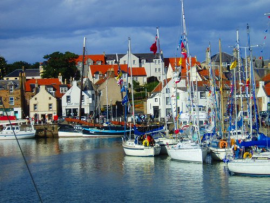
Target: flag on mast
[
  {"x": 233, "y": 65},
  {"x": 153, "y": 47}
]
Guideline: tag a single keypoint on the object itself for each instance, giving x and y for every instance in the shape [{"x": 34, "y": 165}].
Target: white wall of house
[
  {"x": 71, "y": 101},
  {"x": 151, "y": 68},
  {"x": 168, "y": 102},
  {"x": 261, "y": 93}
]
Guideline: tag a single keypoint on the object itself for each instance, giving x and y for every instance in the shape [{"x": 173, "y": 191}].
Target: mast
[
  {"x": 221, "y": 87},
  {"x": 162, "y": 81},
  {"x": 80, "y": 105},
  {"x": 130, "y": 66},
  {"x": 240, "y": 80}
]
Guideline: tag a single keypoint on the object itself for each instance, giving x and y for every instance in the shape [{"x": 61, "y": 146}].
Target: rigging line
[{"x": 29, "y": 171}]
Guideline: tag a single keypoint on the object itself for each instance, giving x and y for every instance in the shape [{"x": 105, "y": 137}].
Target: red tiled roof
[
  {"x": 136, "y": 71},
  {"x": 175, "y": 62},
  {"x": 158, "y": 88},
  {"x": 44, "y": 81},
  {"x": 94, "y": 58}
]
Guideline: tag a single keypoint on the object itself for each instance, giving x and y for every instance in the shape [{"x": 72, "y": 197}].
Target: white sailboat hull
[
  {"x": 69, "y": 134},
  {"x": 191, "y": 154},
  {"x": 163, "y": 142},
  {"x": 132, "y": 149},
  {"x": 219, "y": 154},
  {"x": 250, "y": 167}
]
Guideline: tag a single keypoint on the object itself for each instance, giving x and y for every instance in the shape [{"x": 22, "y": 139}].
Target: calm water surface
[{"x": 96, "y": 170}]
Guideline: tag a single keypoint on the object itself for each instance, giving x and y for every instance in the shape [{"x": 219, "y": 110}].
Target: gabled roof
[
  {"x": 149, "y": 57},
  {"x": 267, "y": 89},
  {"x": 136, "y": 71},
  {"x": 4, "y": 84},
  {"x": 205, "y": 74},
  {"x": 28, "y": 73},
  {"x": 94, "y": 58},
  {"x": 159, "y": 87},
  {"x": 175, "y": 62},
  {"x": 45, "y": 81},
  {"x": 227, "y": 58}
]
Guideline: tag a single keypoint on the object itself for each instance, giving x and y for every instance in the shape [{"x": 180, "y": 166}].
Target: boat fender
[
  {"x": 145, "y": 143},
  {"x": 223, "y": 144},
  {"x": 247, "y": 155}
]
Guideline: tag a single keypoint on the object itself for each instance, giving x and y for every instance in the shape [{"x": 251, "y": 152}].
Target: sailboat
[
  {"x": 219, "y": 146},
  {"x": 188, "y": 150},
  {"x": 141, "y": 144},
  {"x": 256, "y": 164}
]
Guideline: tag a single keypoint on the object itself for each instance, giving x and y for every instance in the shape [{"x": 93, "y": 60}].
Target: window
[
  {"x": 156, "y": 70},
  {"x": 49, "y": 89},
  {"x": 35, "y": 107},
  {"x": 168, "y": 101},
  {"x": 125, "y": 62},
  {"x": 11, "y": 100},
  {"x": 167, "y": 90},
  {"x": 143, "y": 61},
  {"x": 11, "y": 88},
  {"x": 50, "y": 98},
  {"x": 68, "y": 99},
  {"x": 156, "y": 99},
  {"x": 202, "y": 95},
  {"x": 63, "y": 89},
  {"x": 93, "y": 97},
  {"x": 168, "y": 111},
  {"x": 134, "y": 62},
  {"x": 50, "y": 106},
  {"x": 82, "y": 98}
]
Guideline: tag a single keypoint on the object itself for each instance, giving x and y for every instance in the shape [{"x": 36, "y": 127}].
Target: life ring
[
  {"x": 247, "y": 155},
  {"x": 145, "y": 143},
  {"x": 223, "y": 144}
]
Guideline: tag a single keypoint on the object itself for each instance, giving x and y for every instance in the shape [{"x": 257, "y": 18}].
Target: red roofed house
[{"x": 43, "y": 97}]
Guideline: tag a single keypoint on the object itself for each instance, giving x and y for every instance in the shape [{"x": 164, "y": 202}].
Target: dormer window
[
  {"x": 63, "y": 89},
  {"x": 49, "y": 89}
]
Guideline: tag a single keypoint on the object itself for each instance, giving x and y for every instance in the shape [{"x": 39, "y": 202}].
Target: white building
[{"x": 71, "y": 100}]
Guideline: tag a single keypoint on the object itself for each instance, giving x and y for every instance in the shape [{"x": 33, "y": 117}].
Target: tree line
[{"x": 55, "y": 63}]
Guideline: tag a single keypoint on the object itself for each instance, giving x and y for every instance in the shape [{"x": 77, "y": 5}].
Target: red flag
[
  {"x": 183, "y": 50},
  {"x": 153, "y": 48}
]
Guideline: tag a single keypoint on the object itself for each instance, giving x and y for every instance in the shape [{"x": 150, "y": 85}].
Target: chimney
[
  {"x": 40, "y": 69},
  {"x": 23, "y": 68},
  {"x": 60, "y": 78},
  {"x": 65, "y": 81}
]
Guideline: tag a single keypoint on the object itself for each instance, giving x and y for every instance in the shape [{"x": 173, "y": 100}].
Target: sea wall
[{"x": 46, "y": 130}]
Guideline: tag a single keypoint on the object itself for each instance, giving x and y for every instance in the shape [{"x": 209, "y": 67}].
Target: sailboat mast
[
  {"x": 163, "y": 106},
  {"x": 240, "y": 80},
  {"x": 80, "y": 102},
  {"x": 221, "y": 87},
  {"x": 131, "y": 77}
]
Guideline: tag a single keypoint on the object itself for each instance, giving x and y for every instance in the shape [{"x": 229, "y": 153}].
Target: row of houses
[{"x": 25, "y": 93}]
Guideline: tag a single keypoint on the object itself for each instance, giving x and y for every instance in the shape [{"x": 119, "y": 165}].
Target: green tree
[
  {"x": 3, "y": 65},
  {"x": 63, "y": 63},
  {"x": 17, "y": 65}
]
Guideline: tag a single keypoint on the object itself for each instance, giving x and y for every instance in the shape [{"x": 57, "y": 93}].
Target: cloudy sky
[{"x": 30, "y": 29}]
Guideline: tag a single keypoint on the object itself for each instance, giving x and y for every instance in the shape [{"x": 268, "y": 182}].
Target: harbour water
[{"x": 97, "y": 170}]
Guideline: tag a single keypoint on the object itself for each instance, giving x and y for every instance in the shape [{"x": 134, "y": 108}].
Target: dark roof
[
  {"x": 225, "y": 58},
  {"x": 28, "y": 73},
  {"x": 5, "y": 83},
  {"x": 147, "y": 56}
]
